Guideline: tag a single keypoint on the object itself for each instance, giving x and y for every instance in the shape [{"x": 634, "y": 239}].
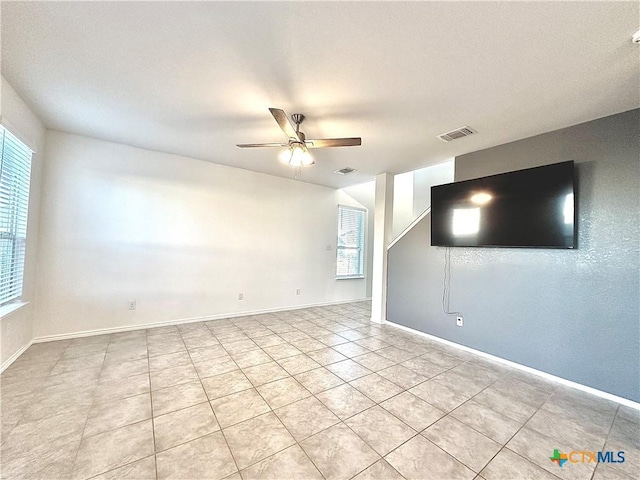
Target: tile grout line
[
  {"x": 396, "y": 342},
  {"x": 376, "y": 404},
  {"x": 504, "y": 445},
  {"x": 254, "y": 387},
  {"x": 104, "y": 359},
  {"x": 134, "y": 423},
  {"x": 291, "y": 376},
  {"x": 343, "y": 421},
  {"x": 235, "y": 462},
  {"x": 606, "y": 439},
  {"x": 273, "y": 411},
  {"x": 75, "y": 461},
  {"x": 340, "y": 422},
  {"x": 420, "y": 432},
  {"x": 553, "y": 438},
  {"x": 153, "y": 422},
  {"x": 296, "y": 442}
]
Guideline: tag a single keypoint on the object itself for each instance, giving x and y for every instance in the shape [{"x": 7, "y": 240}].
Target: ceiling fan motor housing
[{"x": 297, "y": 118}]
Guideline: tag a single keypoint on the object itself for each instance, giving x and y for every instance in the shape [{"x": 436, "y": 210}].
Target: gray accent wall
[{"x": 571, "y": 313}]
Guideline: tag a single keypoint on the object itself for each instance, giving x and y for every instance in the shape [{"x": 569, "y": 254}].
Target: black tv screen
[{"x": 527, "y": 208}]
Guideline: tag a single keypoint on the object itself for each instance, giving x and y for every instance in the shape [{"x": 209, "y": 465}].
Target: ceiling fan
[{"x": 297, "y": 153}]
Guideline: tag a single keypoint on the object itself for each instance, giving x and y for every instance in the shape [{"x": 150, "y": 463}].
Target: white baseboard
[
  {"x": 7, "y": 363},
  {"x": 128, "y": 328},
  {"x": 563, "y": 381}
]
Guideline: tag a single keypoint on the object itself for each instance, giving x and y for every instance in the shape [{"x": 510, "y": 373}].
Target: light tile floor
[{"x": 305, "y": 394}]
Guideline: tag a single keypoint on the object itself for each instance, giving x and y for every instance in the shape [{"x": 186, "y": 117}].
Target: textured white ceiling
[{"x": 196, "y": 78}]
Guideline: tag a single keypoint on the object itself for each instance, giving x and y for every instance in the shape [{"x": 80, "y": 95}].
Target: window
[
  {"x": 350, "y": 248},
  {"x": 15, "y": 173}
]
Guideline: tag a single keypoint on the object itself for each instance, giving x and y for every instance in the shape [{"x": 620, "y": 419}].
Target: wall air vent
[
  {"x": 457, "y": 133},
  {"x": 345, "y": 171}
]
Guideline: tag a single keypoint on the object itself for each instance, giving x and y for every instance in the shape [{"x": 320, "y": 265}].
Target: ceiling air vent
[
  {"x": 345, "y": 171},
  {"x": 457, "y": 133}
]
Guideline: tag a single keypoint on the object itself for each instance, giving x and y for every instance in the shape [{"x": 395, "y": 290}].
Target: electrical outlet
[
  {"x": 459, "y": 321},
  {"x": 132, "y": 305},
  {"x": 241, "y": 296},
  {"x": 297, "y": 291}
]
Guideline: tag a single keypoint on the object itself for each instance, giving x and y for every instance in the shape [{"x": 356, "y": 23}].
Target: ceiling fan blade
[
  {"x": 334, "y": 142},
  {"x": 284, "y": 123},
  {"x": 260, "y": 145}
]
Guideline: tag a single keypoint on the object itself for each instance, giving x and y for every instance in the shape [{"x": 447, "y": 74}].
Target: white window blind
[
  {"x": 350, "y": 248},
  {"x": 15, "y": 174}
]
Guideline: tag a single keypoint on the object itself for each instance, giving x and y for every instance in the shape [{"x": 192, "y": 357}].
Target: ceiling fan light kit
[
  {"x": 297, "y": 153},
  {"x": 296, "y": 156}
]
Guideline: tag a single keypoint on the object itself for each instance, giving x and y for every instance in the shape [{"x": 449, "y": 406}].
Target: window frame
[
  {"x": 361, "y": 248},
  {"x": 17, "y": 195}
]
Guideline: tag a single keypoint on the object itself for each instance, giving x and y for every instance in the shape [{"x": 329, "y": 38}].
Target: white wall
[
  {"x": 412, "y": 192},
  {"x": 16, "y": 327},
  {"x": 427, "y": 177},
  {"x": 402, "y": 202},
  {"x": 181, "y": 236}
]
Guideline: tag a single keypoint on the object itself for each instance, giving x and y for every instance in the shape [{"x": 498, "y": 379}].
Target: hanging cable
[{"x": 446, "y": 287}]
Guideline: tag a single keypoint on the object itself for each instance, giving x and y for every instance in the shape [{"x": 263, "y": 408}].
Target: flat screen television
[{"x": 532, "y": 208}]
